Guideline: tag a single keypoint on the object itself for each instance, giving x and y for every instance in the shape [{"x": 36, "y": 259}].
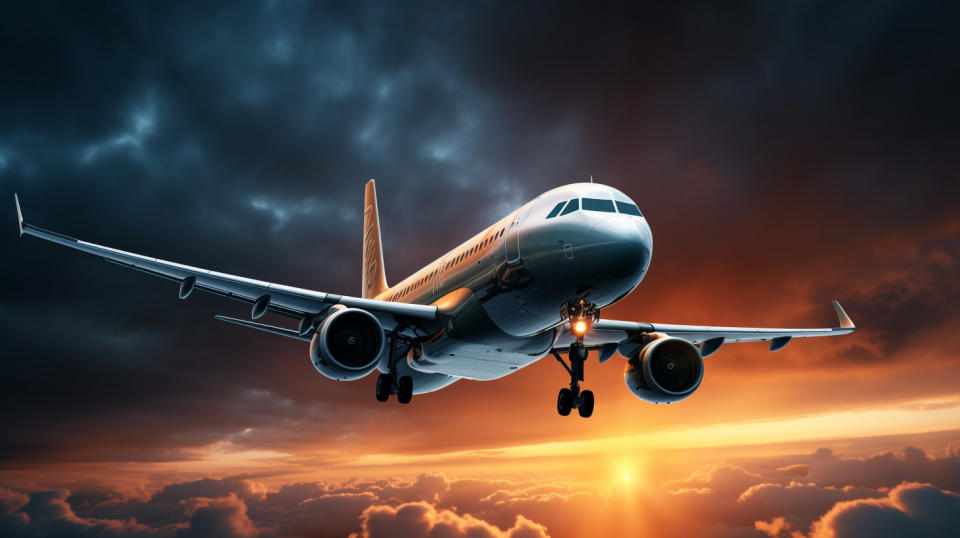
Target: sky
[{"x": 785, "y": 154}]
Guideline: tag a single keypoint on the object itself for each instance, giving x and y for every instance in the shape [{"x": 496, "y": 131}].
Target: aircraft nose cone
[{"x": 623, "y": 246}]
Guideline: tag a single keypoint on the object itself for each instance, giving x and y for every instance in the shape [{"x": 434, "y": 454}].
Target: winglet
[
  {"x": 845, "y": 321},
  {"x": 16, "y": 201}
]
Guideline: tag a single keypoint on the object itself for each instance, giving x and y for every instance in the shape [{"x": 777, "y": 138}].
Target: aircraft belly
[
  {"x": 424, "y": 382},
  {"x": 474, "y": 347},
  {"x": 477, "y": 361}
]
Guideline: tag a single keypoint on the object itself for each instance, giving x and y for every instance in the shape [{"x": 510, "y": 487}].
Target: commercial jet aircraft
[{"x": 531, "y": 285}]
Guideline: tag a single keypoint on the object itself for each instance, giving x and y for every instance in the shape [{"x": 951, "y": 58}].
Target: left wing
[
  {"x": 606, "y": 333},
  {"x": 294, "y": 302}
]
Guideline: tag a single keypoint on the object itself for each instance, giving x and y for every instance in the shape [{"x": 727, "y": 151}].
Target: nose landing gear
[
  {"x": 572, "y": 397},
  {"x": 580, "y": 314}
]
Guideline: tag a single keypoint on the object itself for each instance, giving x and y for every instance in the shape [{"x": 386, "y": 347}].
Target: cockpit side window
[
  {"x": 556, "y": 210},
  {"x": 598, "y": 204},
  {"x": 571, "y": 207},
  {"x": 628, "y": 209}
]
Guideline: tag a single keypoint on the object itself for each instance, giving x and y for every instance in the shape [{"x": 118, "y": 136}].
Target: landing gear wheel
[
  {"x": 586, "y": 404},
  {"x": 405, "y": 389},
  {"x": 565, "y": 402},
  {"x": 384, "y": 387}
]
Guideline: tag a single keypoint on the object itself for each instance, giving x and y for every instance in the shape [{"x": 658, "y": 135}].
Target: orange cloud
[
  {"x": 816, "y": 493},
  {"x": 910, "y": 509},
  {"x": 224, "y": 516},
  {"x": 422, "y": 519}
]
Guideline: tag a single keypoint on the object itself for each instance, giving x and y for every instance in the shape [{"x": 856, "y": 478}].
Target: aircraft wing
[
  {"x": 294, "y": 302},
  {"x": 607, "y": 333}
]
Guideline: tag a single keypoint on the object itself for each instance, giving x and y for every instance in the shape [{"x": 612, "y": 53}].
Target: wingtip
[
  {"x": 16, "y": 201},
  {"x": 845, "y": 321}
]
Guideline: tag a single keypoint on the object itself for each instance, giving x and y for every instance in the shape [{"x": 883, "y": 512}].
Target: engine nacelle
[
  {"x": 348, "y": 344},
  {"x": 666, "y": 370}
]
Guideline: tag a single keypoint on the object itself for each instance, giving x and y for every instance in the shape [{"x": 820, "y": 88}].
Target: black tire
[
  {"x": 564, "y": 402},
  {"x": 384, "y": 387},
  {"x": 405, "y": 389},
  {"x": 586, "y": 404}
]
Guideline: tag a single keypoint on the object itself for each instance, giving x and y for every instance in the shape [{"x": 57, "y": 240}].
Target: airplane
[{"x": 529, "y": 286}]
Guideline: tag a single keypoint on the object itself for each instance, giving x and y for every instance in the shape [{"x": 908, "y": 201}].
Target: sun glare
[{"x": 627, "y": 473}]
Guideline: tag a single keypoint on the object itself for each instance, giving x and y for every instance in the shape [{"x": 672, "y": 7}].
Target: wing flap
[{"x": 289, "y": 333}]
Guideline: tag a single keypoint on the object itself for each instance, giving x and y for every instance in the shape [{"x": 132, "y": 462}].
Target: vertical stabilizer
[{"x": 374, "y": 277}]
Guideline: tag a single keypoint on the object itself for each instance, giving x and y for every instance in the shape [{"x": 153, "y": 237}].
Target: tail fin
[{"x": 374, "y": 276}]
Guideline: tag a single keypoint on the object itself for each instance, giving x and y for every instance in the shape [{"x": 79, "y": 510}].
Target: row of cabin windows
[
  {"x": 423, "y": 280},
  {"x": 472, "y": 250},
  {"x": 594, "y": 204}
]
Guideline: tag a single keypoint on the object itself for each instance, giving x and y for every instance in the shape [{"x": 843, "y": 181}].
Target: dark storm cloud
[{"x": 238, "y": 138}]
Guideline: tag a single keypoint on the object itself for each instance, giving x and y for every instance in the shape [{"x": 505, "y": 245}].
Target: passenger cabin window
[
  {"x": 571, "y": 207},
  {"x": 556, "y": 210},
  {"x": 628, "y": 209},
  {"x": 598, "y": 204}
]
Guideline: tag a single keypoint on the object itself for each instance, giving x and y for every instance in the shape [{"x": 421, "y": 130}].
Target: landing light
[{"x": 579, "y": 327}]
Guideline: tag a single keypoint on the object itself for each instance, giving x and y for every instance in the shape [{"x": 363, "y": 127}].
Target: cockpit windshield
[
  {"x": 571, "y": 207},
  {"x": 598, "y": 204},
  {"x": 594, "y": 204},
  {"x": 556, "y": 209},
  {"x": 628, "y": 209}
]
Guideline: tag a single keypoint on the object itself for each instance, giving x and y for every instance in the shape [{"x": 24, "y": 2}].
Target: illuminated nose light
[{"x": 580, "y": 327}]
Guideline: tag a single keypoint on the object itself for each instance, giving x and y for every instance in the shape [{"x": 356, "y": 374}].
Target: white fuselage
[{"x": 508, "y": 283}]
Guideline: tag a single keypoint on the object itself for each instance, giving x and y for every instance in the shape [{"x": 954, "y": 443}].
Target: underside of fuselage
[{"x": 472, "y": 346}]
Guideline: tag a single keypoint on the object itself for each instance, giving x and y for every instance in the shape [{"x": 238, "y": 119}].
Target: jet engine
[
  {"x": 664, "y": 371},
  {"x": 348, "y": 344}
]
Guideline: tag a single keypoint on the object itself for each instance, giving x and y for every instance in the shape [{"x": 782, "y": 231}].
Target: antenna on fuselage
[{"x": 591, "y": 178}]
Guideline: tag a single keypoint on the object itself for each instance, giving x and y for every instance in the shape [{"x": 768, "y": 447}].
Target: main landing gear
[
  {"x": 572, "y": 397},
  {"x": 391, "y": 383},
  {"x": 388, "y": 384}
]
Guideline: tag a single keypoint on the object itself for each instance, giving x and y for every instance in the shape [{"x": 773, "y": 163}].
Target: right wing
[
  {"x": 625, "y": 335},
  {"x": 701, "y": 333},
  {"x": 290, "y": 301}
]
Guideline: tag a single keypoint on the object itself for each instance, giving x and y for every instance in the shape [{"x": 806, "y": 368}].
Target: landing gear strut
[
  {"x": 572, "y": 397},
  {"x": 390, "y": 383}
]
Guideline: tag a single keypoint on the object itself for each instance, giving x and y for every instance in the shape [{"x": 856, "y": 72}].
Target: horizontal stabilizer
[{"x": 289, "y": 333}]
